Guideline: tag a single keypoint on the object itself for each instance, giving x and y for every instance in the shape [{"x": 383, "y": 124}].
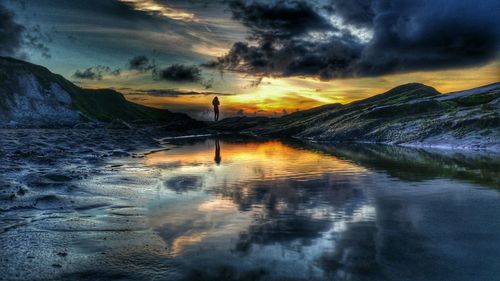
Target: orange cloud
[{"x": 154, "y": 7}]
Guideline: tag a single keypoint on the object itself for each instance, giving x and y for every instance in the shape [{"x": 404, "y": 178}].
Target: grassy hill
[{"x": 412, "y": 114}]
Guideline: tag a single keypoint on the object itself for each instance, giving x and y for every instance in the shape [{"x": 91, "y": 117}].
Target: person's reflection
[{"x": 217, "y": 158}]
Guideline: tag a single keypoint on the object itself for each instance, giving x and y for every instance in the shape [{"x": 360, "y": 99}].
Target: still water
[{"x": 236, "y": 209}]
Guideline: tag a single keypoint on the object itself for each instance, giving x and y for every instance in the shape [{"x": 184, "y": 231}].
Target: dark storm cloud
[
  {"x": 281, "y": 19},
  {"x": 402, "y": 35},
  {"x": 317, "y": 38},
  {"x": 141, "y": 63},
  {"x": 326, "y": 60},
  {"x": 410, "y": 35},
  {"x": 96, "y": 73},
  {"x": 179, "y": 73},
  {"x": 11, "y": 33}
]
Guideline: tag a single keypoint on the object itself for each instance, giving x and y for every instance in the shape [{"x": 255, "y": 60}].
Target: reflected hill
[
  {"x": 405, "y": 163},
  {"x": 412, "y": 164}
]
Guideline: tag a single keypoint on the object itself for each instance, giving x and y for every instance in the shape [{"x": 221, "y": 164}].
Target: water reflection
[
  {"x": 217, "y": 157},
  {"x": 412, "y": 164},
  {"x": 272, "y": 211}
]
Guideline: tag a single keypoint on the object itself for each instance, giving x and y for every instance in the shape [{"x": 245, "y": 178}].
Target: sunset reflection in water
[
  {"x": 261, "y": 191},
  {"x": 268, "y": 210}
]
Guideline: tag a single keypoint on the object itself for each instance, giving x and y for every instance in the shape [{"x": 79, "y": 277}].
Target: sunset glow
[
  {"x": 223, "y": 41},
  {"x": 274, "y": 96}
]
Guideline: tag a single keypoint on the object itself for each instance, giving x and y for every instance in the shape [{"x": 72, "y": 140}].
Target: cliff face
[
  {"x": 31, "y": 103},
  {"x": 30, "y": 95},
  {"x": 26, "y": 99},
  {"x": 408, "y": 115}
]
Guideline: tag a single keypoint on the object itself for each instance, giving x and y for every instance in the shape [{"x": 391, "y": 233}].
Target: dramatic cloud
[
  {"x": 11, "y": 33},
  {"x": 409, "y": 35},
  {"x": 96, "y": 73},
  {"x": 180, "y": 73},
  {"x": 323, "y": 39},
  {"x": 298, "y": 38},
  {"x": 281, "y": 19},
  {"x": 141, "y": 63}
]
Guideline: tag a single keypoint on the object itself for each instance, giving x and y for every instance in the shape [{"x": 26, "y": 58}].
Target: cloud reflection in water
[{"x": 271, "y": 211}]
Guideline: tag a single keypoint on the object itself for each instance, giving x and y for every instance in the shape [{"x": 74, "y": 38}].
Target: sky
[{"x": 260, "y": 57}]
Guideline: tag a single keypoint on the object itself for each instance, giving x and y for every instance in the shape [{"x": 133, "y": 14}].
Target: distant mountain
[
  {"x": 409, "y": 115},
  {"x": 31, "y": 95}
]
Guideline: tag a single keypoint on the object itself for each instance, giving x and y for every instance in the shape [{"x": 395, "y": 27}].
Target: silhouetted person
[
  {"x": 217, "y": 158},
  {"x": 216, "y": 104}
]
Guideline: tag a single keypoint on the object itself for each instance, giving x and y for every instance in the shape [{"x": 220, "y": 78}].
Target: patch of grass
[
  {"x": 401, "y": 94},
  {"x": 477, "y": 99},
  {"x": 107, "y": 105},
  {"x": 405, "y": 109}
]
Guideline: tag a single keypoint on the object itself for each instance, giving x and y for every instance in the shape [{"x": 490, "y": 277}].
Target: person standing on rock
[{"x": 216, "y": 104}]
